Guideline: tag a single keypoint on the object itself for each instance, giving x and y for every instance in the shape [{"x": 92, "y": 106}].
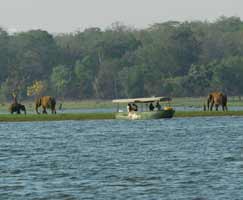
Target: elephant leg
[
  {"x": 44, "y": 110},
  {"x": 204, "y": 107},
  {"x": 36, "y": 109},
  {"x": 211, "y": 106},
  {"x": 53, "y": 111},
  {"x": 225, "y": 108},
  {"x": 216, "y": 107}
]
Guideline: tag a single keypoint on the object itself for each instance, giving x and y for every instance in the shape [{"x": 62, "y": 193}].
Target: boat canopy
[{"x": 142, "y": 100}]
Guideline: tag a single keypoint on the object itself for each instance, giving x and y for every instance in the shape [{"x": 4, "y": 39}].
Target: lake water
[{"x": 180, "y": 158}]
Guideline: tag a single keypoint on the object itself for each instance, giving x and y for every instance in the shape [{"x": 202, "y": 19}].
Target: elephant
[
  {"x": 216, "y": 99},
  {"x": 45, "y": 102},
  {"x": 17, "y": 107}
]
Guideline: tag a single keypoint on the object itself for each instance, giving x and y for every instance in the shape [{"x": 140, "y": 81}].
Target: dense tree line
[{"x": 172, "y": 58}]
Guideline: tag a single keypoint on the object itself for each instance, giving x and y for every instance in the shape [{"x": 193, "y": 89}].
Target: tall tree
[{"x": 60, "y": 78}]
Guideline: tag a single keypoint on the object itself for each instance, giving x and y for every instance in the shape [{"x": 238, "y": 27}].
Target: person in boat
[
  {"x": 158, "y": 106},
  {"x": 134, "y": 107},
  {"x": 129, "y": 107},
  {"x": 151, "y": 107}
]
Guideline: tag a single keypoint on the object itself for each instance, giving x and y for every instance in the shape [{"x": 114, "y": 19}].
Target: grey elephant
[{"x": 17, "y": 107}]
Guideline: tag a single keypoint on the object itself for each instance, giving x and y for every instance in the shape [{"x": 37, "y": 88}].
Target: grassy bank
[
  {"x": 102, "y": 116},
  {"x": 207, "y": 114},
  {"x": 57, "y": 117}
]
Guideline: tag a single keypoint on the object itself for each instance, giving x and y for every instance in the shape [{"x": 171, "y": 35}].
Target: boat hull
[{"x": 145, "y": 115}]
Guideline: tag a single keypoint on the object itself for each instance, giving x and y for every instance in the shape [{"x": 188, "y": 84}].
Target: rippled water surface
[{"x": 180, "y": 158}]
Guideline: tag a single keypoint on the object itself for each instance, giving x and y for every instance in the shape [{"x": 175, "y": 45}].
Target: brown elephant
[
  {"x": 45, "y": 102},
  {"x": 17, "y": 107},
  {"x": 216, "y": 99}
]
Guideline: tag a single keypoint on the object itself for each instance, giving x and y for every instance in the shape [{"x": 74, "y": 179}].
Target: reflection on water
[{"x": 189, "y": 158}]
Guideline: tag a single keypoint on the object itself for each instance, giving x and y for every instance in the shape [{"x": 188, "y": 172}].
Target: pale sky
[{"x": 58, "y": 16}]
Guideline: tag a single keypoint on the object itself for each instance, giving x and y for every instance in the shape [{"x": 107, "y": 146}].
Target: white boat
[{"x": 144, "y": 111}]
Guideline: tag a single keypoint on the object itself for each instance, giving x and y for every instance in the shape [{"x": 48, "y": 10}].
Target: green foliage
[
  {"x": 36, "y": 89},
  {"x": 199, "y": 79},
  {"x": 229, "y": 24},
  {"x": 84, "y": 78},
  {"x": 4, "y": 54},
  {"x": 171, "y": 58},
  {"x": 105, "y": 83},
  {"x": 58, "y": 117},
  {"x": 207, "y": 114},
  {"x": 60, "y": 78},
  {"x": 229, "y": 74},
  {"x": 174, "y": 87}
]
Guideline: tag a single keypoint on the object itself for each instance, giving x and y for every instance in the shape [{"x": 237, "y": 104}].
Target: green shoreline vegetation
[
  {"x": 196, "y": 102},
  {"x": 171, "y": 58},
  {"x": 103, "y": 116},
  {"x": 57, "y": 117},
  {"x": 175, "y": 58},
  {"x": 207, "y": 113},
  {"x": 97, "y": 104}
]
